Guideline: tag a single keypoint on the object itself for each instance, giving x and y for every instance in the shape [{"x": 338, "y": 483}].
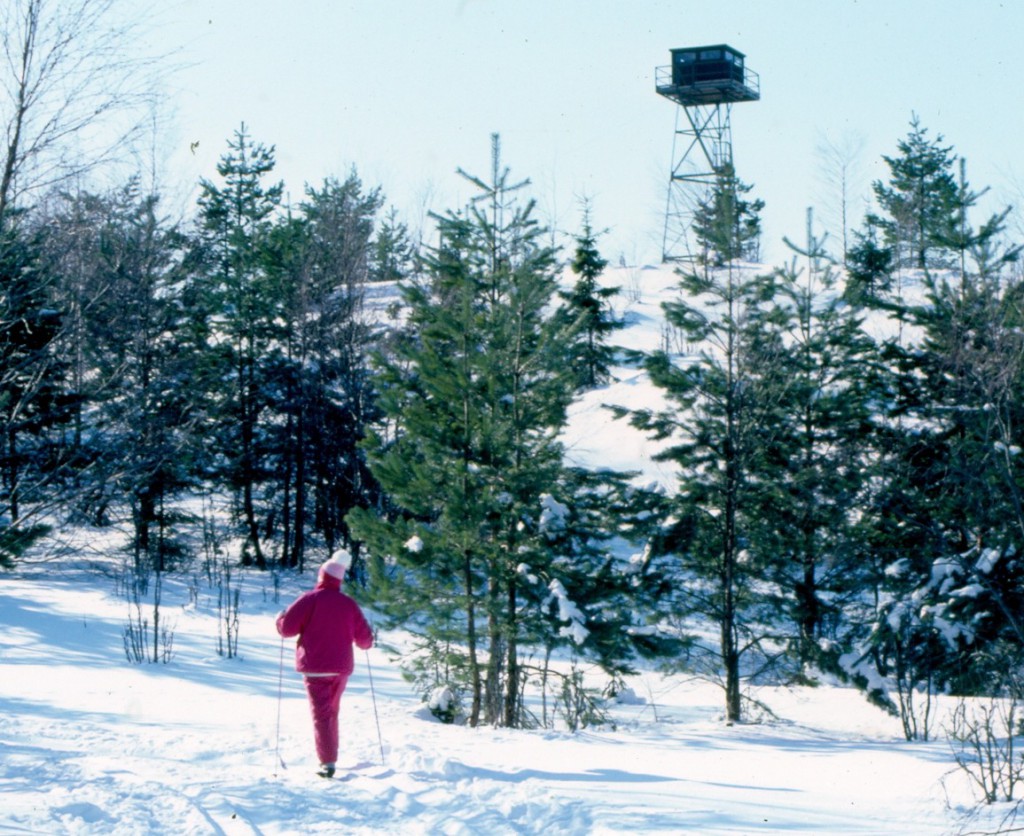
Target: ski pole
[
  {"x": 373, "y": 696},
  {"x": 280, "y": 690}
]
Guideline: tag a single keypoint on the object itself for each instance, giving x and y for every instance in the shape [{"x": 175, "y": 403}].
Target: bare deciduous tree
[
  {"x": 841, "y": 174},
  {"x": 72, "y": 89}
]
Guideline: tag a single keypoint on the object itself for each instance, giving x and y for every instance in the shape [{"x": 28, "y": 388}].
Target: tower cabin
[{"x": 707, "y": 75}]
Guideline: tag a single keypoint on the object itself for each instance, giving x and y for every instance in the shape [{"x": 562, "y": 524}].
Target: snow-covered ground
[{"x": 91, "y": 744}]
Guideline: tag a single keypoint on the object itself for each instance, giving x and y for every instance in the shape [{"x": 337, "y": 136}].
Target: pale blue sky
[{"x": 409, "y": 90}]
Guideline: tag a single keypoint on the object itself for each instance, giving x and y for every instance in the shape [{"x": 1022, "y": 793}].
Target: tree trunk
[
  {"x": 730, "y": 644},
  {"x": 299, "y": 526},
  {"x": 248, "y": 467},
  {"x": 493, "y": 694},
  {"x": 471, "y": 649},
  {"x": 143, "y": 528},
  {"x": 13, "y": 474},
  {"x": 20, "y": 111},
  {"x": 512, "y": 718}
]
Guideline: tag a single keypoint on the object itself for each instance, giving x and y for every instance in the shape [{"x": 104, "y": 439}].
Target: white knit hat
[{"x": 338, "y": 565}]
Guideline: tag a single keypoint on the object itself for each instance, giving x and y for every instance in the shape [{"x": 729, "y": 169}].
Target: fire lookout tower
[{"x": 705, "y": 81}]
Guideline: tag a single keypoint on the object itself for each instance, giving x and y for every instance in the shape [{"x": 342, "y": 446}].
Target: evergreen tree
[
  {"x": 945, "y": 510},
  {"x": 721, "y": 420},
  {"x": 822, "y": 454},
  {"x": 981, "y": 247},
  {"x": 579, "y": 601},
  {"x": 239, "y": 310},
  {"x": 727, "y": 226},
  {"x": 869, "y": 268},
  {"x": 133, "y": 439},
  {"x": 321, "y": 260},
  {"x": 919, "y": 201},
  {"x": 394, "y": 252},
  {"x": 33, "y": 397},
  {"x": 475, "y": 390},
  {"x": 586, "y": 311}
]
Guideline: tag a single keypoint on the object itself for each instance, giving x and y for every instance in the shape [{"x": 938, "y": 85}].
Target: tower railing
[{"x": 711, "y": 91}]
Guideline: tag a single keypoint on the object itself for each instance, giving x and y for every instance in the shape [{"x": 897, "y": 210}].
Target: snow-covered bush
[{"x": 443, "y": 704}]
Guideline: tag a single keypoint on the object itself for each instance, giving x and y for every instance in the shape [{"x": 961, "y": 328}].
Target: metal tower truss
[{"x": 701, "y": 151}]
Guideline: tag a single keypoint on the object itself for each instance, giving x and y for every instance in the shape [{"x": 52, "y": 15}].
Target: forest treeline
[{"x": 847, "y": 428}]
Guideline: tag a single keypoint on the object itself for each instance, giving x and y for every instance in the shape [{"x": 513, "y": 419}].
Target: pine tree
[
  {"x": 721, "y": 424},
  {"x": 726, "y": 225},
  {"x": 919, "y": 200},
  {"x": 869, "y": 268},
  {"x": 321, "y": 260},
  {"x": 981, "y": 247},
  {"x": 394, "y": 253},
  {"x": 472, "y": 551},
  {"x": 822, "y": 454},
  {"x": 586, "y": 311},
  {"x": 945, "y": 520},
  {"x": 133, "y": 439},
  {"x": 33, "y": 396},
  {"x": 239, "y": 311}
]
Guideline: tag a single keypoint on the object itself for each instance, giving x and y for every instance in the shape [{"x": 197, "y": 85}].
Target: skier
[{"x": 328, "y": 622}]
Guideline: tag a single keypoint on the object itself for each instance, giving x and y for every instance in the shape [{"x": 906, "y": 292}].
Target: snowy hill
[{"x": 204, "y": 744}]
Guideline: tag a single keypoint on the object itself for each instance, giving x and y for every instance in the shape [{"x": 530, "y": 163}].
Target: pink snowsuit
[{"x": 328, "y": 622}]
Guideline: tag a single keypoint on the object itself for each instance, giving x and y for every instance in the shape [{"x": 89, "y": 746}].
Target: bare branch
[{"x": 73, "y": 90}]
